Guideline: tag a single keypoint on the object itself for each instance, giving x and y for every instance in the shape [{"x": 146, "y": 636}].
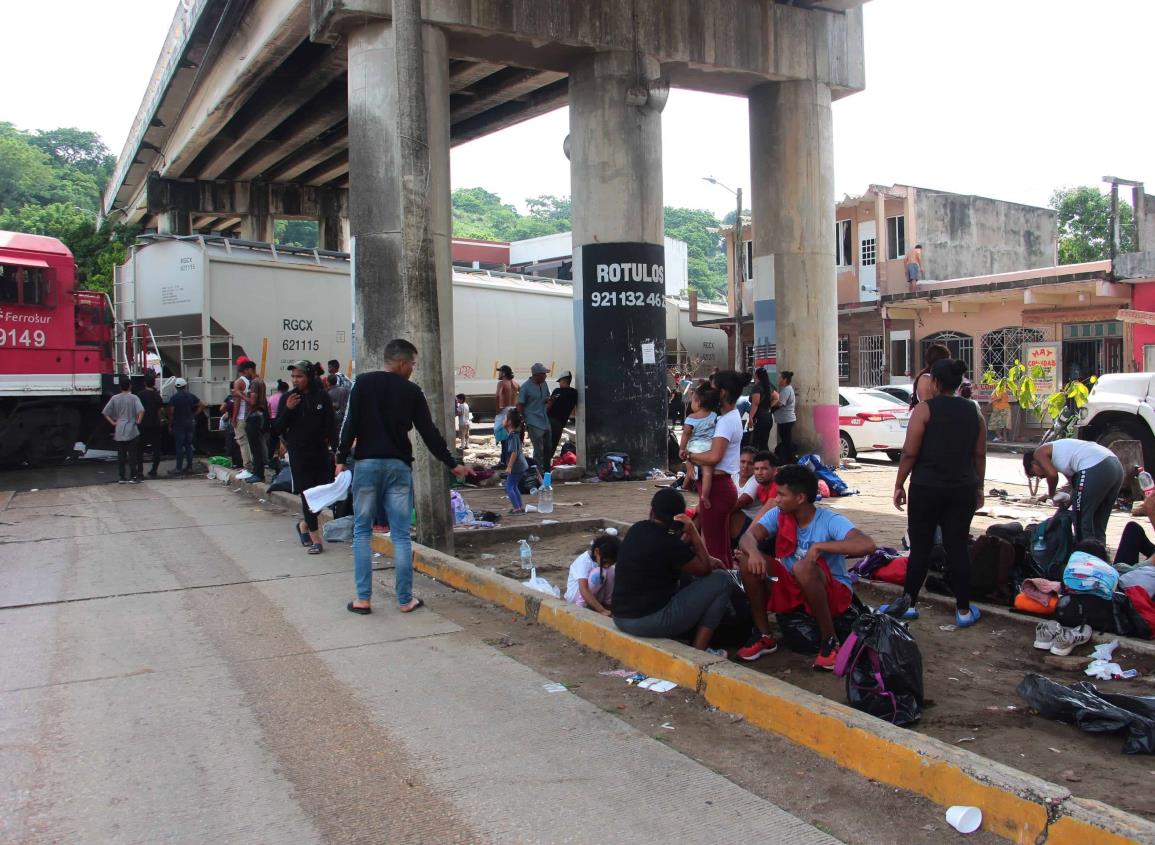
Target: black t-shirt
[
  {"x": 564, "y": 401},
  {"x": 648, "y": 569},
  {"x": 183, "y": 404},
  {"x": 152, "y": 405}
]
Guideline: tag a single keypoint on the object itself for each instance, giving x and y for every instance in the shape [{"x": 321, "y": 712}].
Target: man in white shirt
[
  {"x": 1095, "y": 473},
  {"x": 756, "y": 490}
]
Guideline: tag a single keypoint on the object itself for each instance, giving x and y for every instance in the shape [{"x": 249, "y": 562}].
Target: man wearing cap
[
  {"x": 560, "y": 408},
  {"x": 383, "y": 407},
  {"x": 246, "y": 369},
  {"x": 182, "y": 411},
  {"x": 531, "y": 401}
]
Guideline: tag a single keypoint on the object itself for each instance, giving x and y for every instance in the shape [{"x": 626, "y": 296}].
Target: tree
[
  {"x": 1085, "y": 224},
  {"x": 303, "y": 233}
]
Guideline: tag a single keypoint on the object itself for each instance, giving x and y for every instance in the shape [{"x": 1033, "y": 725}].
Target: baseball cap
[
  {"x": 538, "y": 368},
  {"x": 565, "y": 374},
  {"x": 300, "y": 365},
  {"x": 180, "y": 382},
  {"x": 244, "y": 359}
]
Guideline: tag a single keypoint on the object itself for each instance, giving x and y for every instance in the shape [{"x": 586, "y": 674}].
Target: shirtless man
[
  {"x": 913, "y": 262},
  {"x": 507, "y": 388}
]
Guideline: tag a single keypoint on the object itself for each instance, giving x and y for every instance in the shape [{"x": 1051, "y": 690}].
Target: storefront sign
[{"x": 1047, "y": 355}]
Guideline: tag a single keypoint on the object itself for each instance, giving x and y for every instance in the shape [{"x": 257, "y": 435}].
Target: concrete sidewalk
[{"x": 177, "y": 669}]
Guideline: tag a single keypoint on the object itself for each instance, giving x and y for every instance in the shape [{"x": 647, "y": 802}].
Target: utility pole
[{"x": 739, "y": 273}]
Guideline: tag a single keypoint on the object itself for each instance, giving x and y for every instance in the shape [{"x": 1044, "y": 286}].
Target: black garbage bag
[
  {"x": 283, "y": 482},
  {"x": 1084, "y": 706},
  {"x": 800, "y": 630},
  {"x": 883, "y": 669}
]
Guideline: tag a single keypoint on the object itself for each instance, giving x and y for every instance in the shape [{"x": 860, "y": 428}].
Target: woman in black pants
[
  {"x": 762, "y": 400},
  {"x": 945, "y": 456},
  {"x": 307, "y": 422}
]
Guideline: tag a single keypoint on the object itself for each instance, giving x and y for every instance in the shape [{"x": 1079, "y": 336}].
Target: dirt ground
[{"x": 970, "y": 676}]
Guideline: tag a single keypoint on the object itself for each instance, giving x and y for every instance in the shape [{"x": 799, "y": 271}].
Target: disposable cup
[{"x": 964, "y": 819}]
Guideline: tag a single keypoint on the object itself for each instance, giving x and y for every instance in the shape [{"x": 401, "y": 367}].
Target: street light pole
[{"x": 739, "y": 272}]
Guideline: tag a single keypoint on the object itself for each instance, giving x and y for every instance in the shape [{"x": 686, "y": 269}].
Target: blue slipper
[
  {"x": 974, "y": 616},
  {"x": 909, "y": 613}
]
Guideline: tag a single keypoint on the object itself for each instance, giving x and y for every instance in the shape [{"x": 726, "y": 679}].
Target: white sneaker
[
  {"x": 243, "y": 475},
  {"x": 1069, "y": 639},
  {"x": 1045, "y": 633}
]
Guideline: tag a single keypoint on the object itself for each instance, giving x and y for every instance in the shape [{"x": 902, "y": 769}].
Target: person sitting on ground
[
  {"x": 591, "y": 576},
  {"x": 1135, "y": 547},
  {"x": 808, "y": 559},
  {"x": 655, "y": 554},
  {"x": 756, "y": 488},
  {"x": 1095, "y": 473},
  {"x": 697, "y": 438}
]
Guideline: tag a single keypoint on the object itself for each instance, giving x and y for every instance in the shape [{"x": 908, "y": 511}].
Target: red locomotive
[{"x": 56, "y": 351}]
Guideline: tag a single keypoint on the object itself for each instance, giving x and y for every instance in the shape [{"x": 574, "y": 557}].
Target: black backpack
[
  {"x": 1052, "y": 542},
  {"x": 1117, "y": 616}
]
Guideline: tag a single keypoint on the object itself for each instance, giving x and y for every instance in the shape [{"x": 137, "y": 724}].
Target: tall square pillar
[
  {"x": 795, "y": 283},
  {"x": 619, "y": 262}
]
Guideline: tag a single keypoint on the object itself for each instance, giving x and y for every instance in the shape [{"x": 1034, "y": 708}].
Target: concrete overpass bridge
[{"x": 344, "y": 111}]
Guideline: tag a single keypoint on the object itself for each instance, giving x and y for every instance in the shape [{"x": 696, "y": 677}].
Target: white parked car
[
  {"x": 1121, "y": 407},
  {"x": 902, "y": 392},
  {"x": 870, "y": 420}
]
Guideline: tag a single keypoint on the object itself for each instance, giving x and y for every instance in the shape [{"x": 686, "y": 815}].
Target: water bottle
[
  {"x": 1147, "y": 483},
  {"x": 545, "y": 495},
  {"x": 526, "y": 556}
]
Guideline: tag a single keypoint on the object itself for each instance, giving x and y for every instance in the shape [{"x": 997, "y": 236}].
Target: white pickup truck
[{"x": 1121, "y": 407}]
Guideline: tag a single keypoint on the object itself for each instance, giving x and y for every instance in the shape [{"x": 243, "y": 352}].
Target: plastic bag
[
  {"x": 283, "y": 483},
  {"x": 541, "y": 585},
  {"x": 1082, "y": 705},
  {"x": 883, "y": 668},
  {"x": 338, "y": 530},
  {"x": 323, "y": 495}
]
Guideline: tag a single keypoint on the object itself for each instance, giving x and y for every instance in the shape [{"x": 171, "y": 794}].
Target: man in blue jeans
[
  {"x": 182, "y": 412},
  {"x": 383, "y": 407}
]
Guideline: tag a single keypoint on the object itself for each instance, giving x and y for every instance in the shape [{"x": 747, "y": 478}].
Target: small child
[
  {"x": 464, "y": 418},
  {"x": 517, "y": 466},
  {"x": 591, "y": 576},
  {"x": 698, "y": 436}
]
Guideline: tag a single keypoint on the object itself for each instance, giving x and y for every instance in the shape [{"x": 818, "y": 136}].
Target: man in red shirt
[{"x": 756, "y": 487}]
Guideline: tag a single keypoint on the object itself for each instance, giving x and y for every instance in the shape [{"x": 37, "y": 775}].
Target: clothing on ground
[
  {"x": 383, "y": 407},
  {"x": 827, "y": 526},
  {"x": 123, "y": 407},
  {"x": 649, "y": 568}
]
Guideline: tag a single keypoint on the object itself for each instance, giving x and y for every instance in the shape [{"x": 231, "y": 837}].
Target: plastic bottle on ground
[
  {"x": 545, "y": 495},
  {"x": 526, "y": 555}
]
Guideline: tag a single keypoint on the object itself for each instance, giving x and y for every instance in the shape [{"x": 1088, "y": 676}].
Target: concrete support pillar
[
  {"x": 257, "y": 225},
  {"x": 619, "y": 262},
  {"x": 174, "y": 223},
  {"x": 792, "y": 171},
  {"x": 330, "y": 229},
  {"x": 398, "y": 207}
]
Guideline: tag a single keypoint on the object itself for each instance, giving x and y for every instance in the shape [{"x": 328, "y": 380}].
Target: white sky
[{"x": 1002, "y": 98}]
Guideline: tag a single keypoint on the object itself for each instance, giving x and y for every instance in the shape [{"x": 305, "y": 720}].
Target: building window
[
  {"x": 961, "y": 346},
  {"x": 844, "y": 357},
  {"x": 895, "y": 237},
  {"x": 9, "y": 283},
  {"x": 869, "y": 245},
  {"x": 748, "y": 259},
  {"x": 1001, "y": 348},
  {"x": 871, "y": 360},
  {"x": 842, "y": 243}
]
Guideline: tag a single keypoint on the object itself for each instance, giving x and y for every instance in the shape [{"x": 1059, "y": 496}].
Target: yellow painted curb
[{"x": 1016, "y": 805}]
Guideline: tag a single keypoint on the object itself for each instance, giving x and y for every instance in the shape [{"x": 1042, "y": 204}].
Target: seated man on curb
[
  {"x": 807, "y": 564},
  {"x": 756, "y": 490},
  {"x": 654, "y": 556}
]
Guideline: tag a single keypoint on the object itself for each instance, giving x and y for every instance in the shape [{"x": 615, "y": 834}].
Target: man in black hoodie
[
  {"x": 305, "y": 419},
  {"x": 383, "y": 407}
]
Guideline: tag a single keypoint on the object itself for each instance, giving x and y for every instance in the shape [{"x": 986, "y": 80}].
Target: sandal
[
  {"x": 418, "y": 603},
  {"x": 304, "y": 535},
  {"x": 315, "y": 549},
  {"x": 352, "y": 608}
]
